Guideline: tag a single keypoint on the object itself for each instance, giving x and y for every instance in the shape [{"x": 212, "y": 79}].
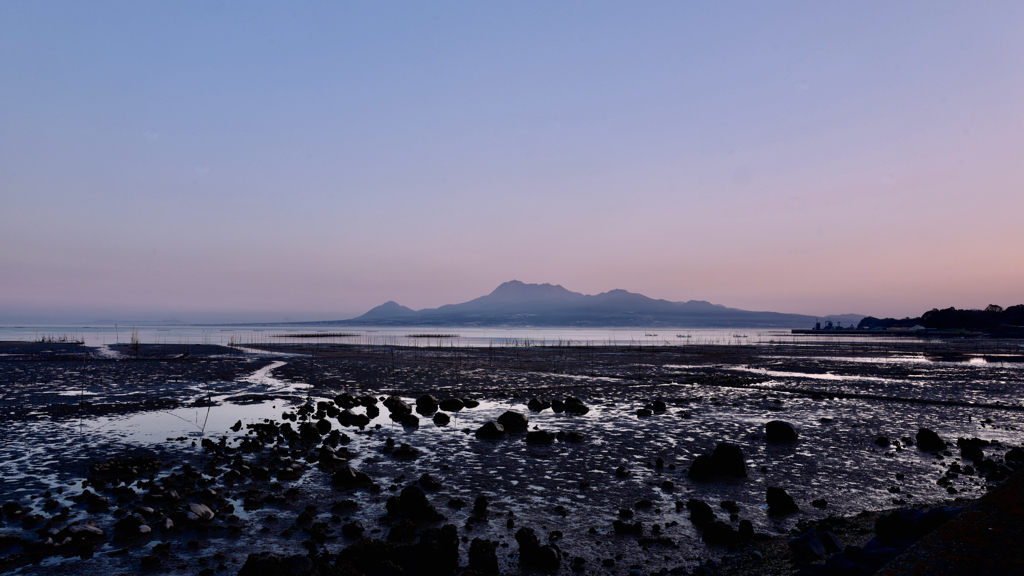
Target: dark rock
[
  {"x": 819, "y": 503},
  {"x": 779, "y": 431},
  {"x": 575, "y": 406},
  {"x": 441, "y": 419},
  {"x": 352, "y": 530},
  {"x": 539, "y": 437},
  {"x": 483, "y": 557},
  {"x": 882, "y": 442},
  {"x": 643, "y": 412},
  {"x": 429, "y": 483},
  {"x": 426, "y": 405},
  {"x": 727, "y": 460},
  {"x": 323, "y": 426},
  {"x": 405, "y": 452},
  {"x": 536, "y": 405},
  {"x": 659, "y": 406},
  {"x": 457, "y": 503},
  {"x": 719, "y": 533},
  {"x": 621, "y": 527},
  {"x": 416, "y": 507},
  {"x": 452, "y": 405},
  {"x": 701, "y": 513},
  {"x": 402, "y": 531},
  {"x": 621, "y": 472},
  {"x": 468, "y": 403},
  {"x": 972, "y": 452},
  {"x": 531, "y": 553},
  {"x": 557, "y": 406},
  {"x": 729, "y": 506},
  {"x": 746, "y": 531},
  {"x": 780, "y": 502},
  {"x": 410, "y": 421},
  {"x": 1014, "y": 455},
  {"x": 807, "y": 545},
  {"x": 348, "y": 477},
  {"x": 701, "y": 470},
  {"x": 929, "y": 441},
  {"x": 831, "y": 542},
  {"x": 480, "y": 505},
  {"x": 513, "y": 422},
  {"x": 491, "y": 431}
]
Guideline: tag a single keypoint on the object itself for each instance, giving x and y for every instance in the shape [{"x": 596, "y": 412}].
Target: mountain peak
[{"x": 516, "y": 291}]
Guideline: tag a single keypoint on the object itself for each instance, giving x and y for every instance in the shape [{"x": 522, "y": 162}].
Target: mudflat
[{"x": 378, "y": 459}]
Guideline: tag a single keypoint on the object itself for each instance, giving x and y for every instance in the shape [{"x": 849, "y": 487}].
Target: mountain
[
  {"x": 518, "y": 304},
  {"x": 388, "y": 310}
]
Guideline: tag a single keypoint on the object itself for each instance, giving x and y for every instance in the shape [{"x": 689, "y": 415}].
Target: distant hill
[
  {"x": 993, "y": 319},
  {"x": 518, "y": 304}
]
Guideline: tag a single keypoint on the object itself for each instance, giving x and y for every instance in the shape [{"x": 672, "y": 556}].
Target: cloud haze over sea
[{"x": 265, "y": 161}]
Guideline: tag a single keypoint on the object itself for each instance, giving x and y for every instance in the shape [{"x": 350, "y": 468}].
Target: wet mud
[{"x": 233, "y": 431}]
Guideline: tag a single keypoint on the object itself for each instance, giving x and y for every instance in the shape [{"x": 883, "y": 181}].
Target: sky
[{"x": 289, "y": 161}]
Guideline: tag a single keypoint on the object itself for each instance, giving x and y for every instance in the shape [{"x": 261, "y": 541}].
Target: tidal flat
[{"x": 348, "y": 459}]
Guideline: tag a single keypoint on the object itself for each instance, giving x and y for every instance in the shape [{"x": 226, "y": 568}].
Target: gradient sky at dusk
[{"x": 310, "y": 160}]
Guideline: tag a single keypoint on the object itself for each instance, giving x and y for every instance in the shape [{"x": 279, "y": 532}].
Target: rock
[
  {"x": 441, "y": 419},
  {"x": 539, "y": 437},
  {"x": 468, "y": 403},
  {"x": 972, "y": 452},
  {"x": 574, "y": 437},
  {"x": 831, "y": 542},
  {"x": 202, "y": 512},
  {"x": 405, "y": 452},
  {"x": 807, "y": 545},
  {"x": 819, "y": 503},
  {"x": 402, "y": 531},
  {"x": 575, "y": 406},
  {"x": 621, "y": 527},
  {"x": 780, "y": 503},
  {"x": 451, "y": 405},
  {"x": 643, "y": 412},
  {"x": 746, "y": 531},
  {"x": 426, "y": 405},
  {"x": 719, "y": 533},
  {"x": 513, "y": 421},
  {"x": 348, "y": 477},
  {"x": 729, "y": 506},
  {"x": 882, "y": 442},
  {"x": 929, "y": 441},
  {"x": 557, "y": 406},
  {"x": 398, "y": 408},
  {"x": 779, "y": 431},
  {"x": 531, "y": 553},
  {"x": 536, "y": 405},
  {"x": 323, "y": 426},
  {"x": 727, "y": 460},
  {"x": 429, "y": 483},
  {"x": 701, "y": 513},
  {"x": 352, "y": 530},
  {"x": 416, "y": 507},
  {"x": 491, "y": 431},
  {"x": 309, "y": 433},
  {"x": 659, "y": 406},
  {"x": 701, "y": 470},
  {"x": 621, "y": 472},
  {"x": 480, "y": 506},
  {"x": 483, "y": 557},
  {"x": 1014, "y": 455}
]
